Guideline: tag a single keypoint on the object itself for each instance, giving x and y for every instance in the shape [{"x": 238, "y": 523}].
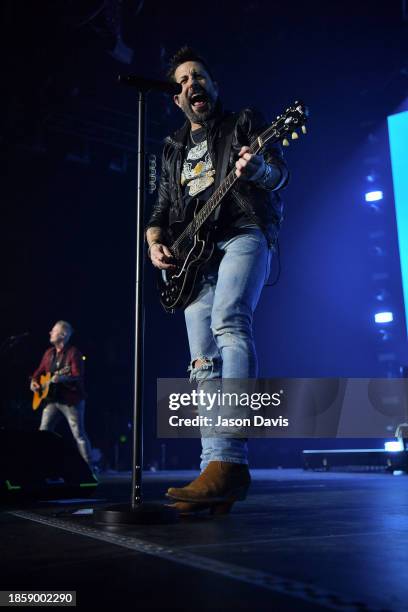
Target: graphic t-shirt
[
  {"x": 198, "y": 174},
  {"x": 198, "y": 178}
]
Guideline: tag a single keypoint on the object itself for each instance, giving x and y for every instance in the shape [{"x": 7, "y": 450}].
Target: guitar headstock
[{"x": 288, "y": 125}]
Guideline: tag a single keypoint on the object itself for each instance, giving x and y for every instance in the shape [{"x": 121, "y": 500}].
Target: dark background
[{"x": 68, "y": 194}]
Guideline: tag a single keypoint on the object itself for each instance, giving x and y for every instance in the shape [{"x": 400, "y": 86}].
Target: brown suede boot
[{"x": 221, "y": 481}]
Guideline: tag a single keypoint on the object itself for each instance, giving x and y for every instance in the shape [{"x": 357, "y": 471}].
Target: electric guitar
[
  {"x": 45, "y": 382},
  {"x": 193, "y": 246}
]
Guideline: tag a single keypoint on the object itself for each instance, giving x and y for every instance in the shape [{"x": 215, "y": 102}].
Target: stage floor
[{"x": 301, "y": 541}]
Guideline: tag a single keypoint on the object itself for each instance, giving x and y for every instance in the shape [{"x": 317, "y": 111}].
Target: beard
[{"x": 198, "y": 115}]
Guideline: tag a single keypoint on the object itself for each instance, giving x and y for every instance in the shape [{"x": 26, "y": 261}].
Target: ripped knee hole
[{"x": 198, "y": 363}]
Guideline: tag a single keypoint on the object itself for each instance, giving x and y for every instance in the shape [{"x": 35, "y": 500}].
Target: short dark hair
[{"x": 185, "y": 54}]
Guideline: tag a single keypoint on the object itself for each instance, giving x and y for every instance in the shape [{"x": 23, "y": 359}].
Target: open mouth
[{"x": 198, "y": 101}]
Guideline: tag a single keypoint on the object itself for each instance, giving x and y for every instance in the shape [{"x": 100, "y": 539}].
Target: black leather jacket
[{"x": 265, "y": 204}]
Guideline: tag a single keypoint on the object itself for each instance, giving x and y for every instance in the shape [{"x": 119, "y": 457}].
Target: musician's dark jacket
[{"x": 264, "y": 204}]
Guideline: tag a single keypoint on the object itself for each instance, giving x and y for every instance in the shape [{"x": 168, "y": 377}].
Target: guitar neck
[
  {"x": 214, "y": 201},
  {"x": 292, "y": 118}
]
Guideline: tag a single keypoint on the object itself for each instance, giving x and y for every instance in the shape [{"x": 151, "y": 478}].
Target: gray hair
[{"x": 67, "y": 327}]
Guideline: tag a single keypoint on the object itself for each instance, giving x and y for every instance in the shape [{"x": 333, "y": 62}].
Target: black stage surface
[{"x": 302, "y": 541}]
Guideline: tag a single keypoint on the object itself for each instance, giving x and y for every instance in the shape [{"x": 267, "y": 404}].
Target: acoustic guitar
[{"x": 45, "y": 383}]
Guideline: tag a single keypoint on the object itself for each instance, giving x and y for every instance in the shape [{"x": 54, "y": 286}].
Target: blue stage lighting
[
  {"x": 373, "y": 196},
  {"x": 383, "y": 317},
  {"x": 395, "y": 446},
  {"x": 398, "y": 136}
]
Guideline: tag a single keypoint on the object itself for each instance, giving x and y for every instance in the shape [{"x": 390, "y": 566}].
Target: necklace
[{"x": 191, "y": 136}]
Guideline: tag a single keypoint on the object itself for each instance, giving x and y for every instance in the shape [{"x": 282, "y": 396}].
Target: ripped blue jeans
[{"x": 219, "y": 327}]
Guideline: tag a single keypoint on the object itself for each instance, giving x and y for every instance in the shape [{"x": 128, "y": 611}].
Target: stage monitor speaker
[
  {"x": 355, "y": 460},
  {"x": 42, "y": 465}
]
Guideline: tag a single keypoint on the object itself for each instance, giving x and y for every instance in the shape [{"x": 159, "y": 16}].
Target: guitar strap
[{"x": 225, "y": 135}]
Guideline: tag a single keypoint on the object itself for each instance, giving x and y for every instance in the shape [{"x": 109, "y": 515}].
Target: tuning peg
[
  {"x": 285, "y": 142},
  {"x": 295, "y": 135},
  {"x": 304, "y": 130}
]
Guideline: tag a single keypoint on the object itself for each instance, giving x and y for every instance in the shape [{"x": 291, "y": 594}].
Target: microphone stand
[
  {"x": 139, "y": 512},
  {"x": 10, "y": 342}
]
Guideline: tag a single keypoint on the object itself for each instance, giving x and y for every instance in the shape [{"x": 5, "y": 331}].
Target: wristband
[
  {"x": 259, "y": 174},
  {"x": 265, "y": 179}
]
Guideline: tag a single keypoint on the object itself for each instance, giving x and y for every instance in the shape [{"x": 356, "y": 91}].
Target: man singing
[
  {"x": 219, "y": 319},
  {"x": 67, "y": 396}
]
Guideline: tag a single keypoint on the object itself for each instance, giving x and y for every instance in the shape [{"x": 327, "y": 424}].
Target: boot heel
[{"x": 221, "y": 508}]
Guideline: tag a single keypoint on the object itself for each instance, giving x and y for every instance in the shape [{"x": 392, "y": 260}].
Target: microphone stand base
[{"x": 147, "y": 513}]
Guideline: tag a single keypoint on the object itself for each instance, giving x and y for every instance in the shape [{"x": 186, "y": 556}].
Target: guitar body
[
  {"x": 45, "y": 383},
  {"x": 177, "y": 286},
  {"x": 40, "y": 395}
]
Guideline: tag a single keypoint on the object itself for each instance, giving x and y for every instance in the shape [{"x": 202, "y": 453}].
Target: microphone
[
  {"x": 19, "y": 337},
  {"x": 144, "y": 84}
]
